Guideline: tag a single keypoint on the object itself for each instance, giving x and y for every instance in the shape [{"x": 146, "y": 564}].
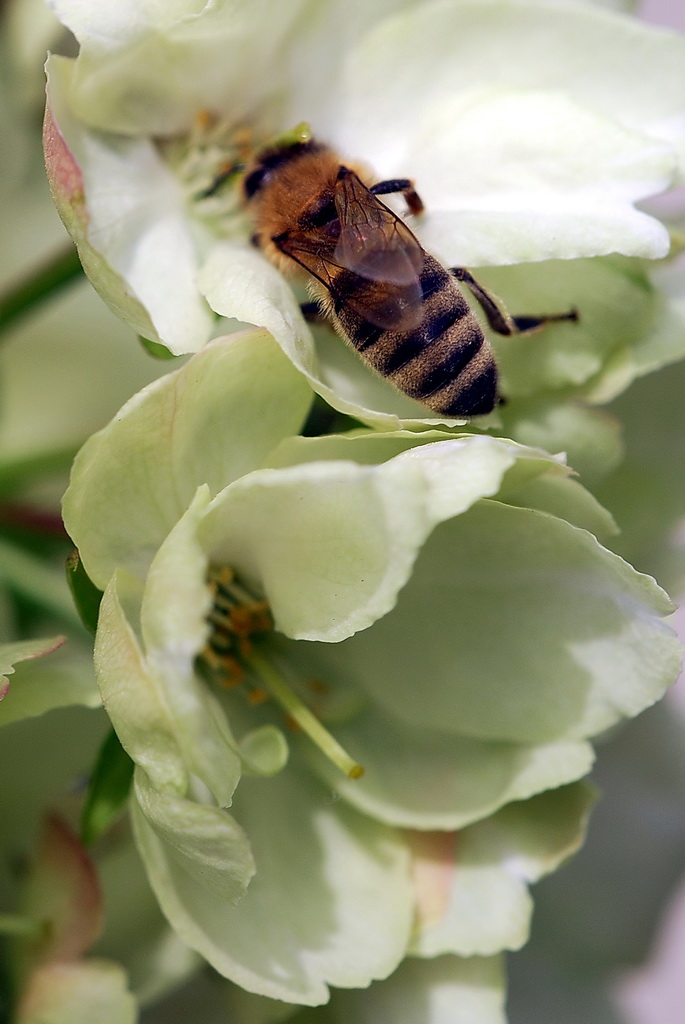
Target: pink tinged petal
[
  {"x": 65, "y": 178},
  {"x": 63, "y": 889},
  {"x": 134, "y": 240},
  {"x": 23, "y": 650},
  {"x": 433, "y": 870},
  {"x": 64, "y": 175}
]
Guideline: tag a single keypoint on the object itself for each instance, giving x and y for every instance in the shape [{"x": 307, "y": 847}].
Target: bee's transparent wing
[
  {"x": 374, "y": 242},
  {"x": 314, "y": 253},
  {"x": 390, "y": 307}
]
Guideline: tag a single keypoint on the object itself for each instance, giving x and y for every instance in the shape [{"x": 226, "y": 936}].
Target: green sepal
[
  {"x": 86, "y": 595},
  {"x": 108, "y": 790},
  {"x": 155, "y": 349}
]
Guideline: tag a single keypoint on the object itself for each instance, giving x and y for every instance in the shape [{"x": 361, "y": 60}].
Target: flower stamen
[
  {"x": 303, "y": 717},
  {"x": 208, "y": 161},
  {"x": 237, "y": 621}
]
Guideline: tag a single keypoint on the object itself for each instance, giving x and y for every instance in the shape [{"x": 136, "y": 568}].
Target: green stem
[
  {"x": 17, "y": 925},
  {"x": 39, "y": 284},
  {"x": 301, "y": 714}
]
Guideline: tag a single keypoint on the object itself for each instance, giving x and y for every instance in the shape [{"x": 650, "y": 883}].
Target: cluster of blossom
[{"x": 353, "y": 676}]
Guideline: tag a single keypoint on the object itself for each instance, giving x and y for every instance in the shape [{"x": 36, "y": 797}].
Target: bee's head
[{"x": 280, "y": 151}]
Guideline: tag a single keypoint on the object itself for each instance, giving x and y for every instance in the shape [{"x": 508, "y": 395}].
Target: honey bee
[{"x": 400, "y": 308}]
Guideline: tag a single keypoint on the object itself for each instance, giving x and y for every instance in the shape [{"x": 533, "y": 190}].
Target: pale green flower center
[
  {"x": 238, "y": 621},
  {"x": 209, "y": 162}
]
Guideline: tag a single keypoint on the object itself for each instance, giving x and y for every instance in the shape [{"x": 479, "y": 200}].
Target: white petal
[
  {"x": 136, "y": 223},
  {"x": 616, "y": 65}
]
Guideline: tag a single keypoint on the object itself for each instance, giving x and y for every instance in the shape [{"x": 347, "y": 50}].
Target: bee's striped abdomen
[{"x": 446, "y": 363}]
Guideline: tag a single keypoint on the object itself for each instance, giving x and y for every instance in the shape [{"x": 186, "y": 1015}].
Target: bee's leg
[
  {"x": 498, "y": 318},
  {"x": 311, "y": 311},
  {"x": 403, "y": 185},
  {"x": 530, "y": 324}
]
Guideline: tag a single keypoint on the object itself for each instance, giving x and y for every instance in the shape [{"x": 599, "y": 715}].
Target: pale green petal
[
  {"x": 590, "y": 438},
  {"x": 473, "y": 887},
  {"x": 330, "y": 902},
  {"x": 209, "y": 422},
  {"x": 331, "y": 543},
  {"x": 66, "y": 677},
  {"x": 515, "y": 176},
  {"x": 461, "y": 471},
  {"x": 177, "y": 599},
  {"x": 460, "y": 468},
  {"x": 629, "y": 72},
  {"x": 238, "y": 282},
  {"x": 535, "y": 632},
  {"x": 428, "y": 779},
  {"x": 174, "y": 628},
  {"x": 114, "y": 25},
  {"x": 564, "y": 497},
  {"x": 326, "y": 33},
  {"x": 201, "y": 845},
  {"x": 446, "y": 990},
  {"x": 661, "y": 344},
  {"x": 366, "y": 447},
  {"x": 244, "y": 50},
  {"x": 134, "y": 237},
  {"x": 78, "y": 993},
  {"x": 616, "y": 303},
  {"x": 217, "y": 51},
  {"x": 134, "y": 698}
]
